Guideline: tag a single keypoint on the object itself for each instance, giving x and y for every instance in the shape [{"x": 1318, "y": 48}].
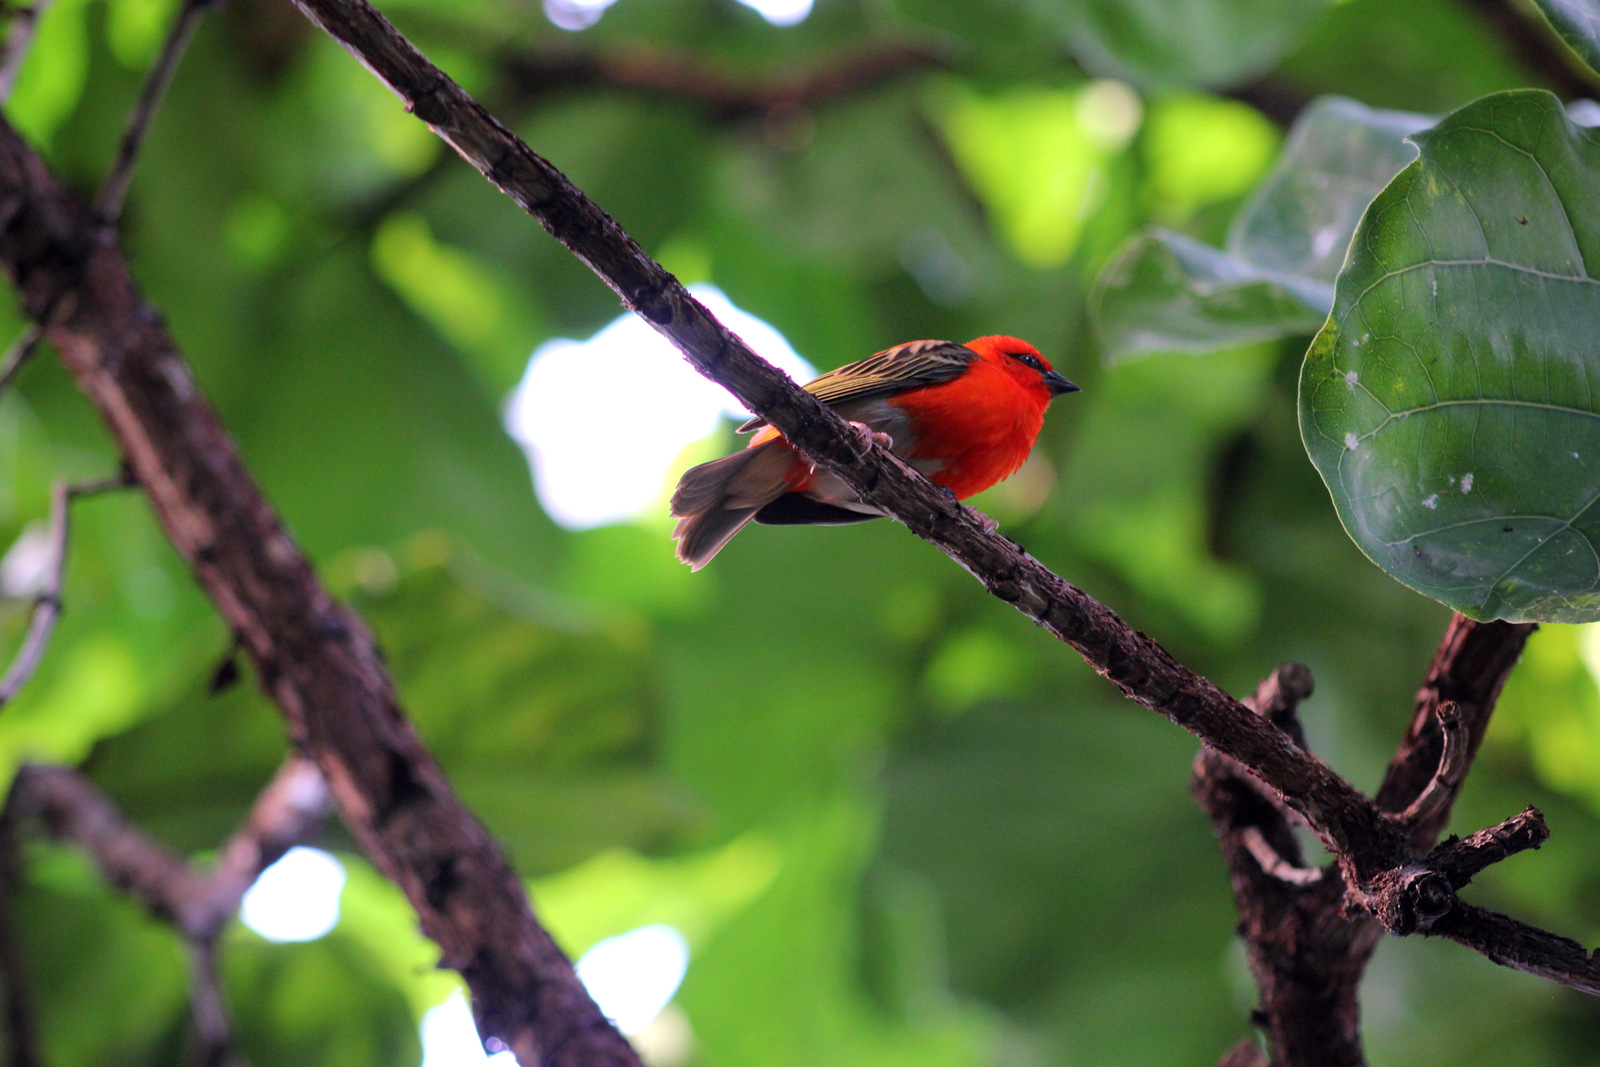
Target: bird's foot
[
  {"x": 989, "y": 525},
  {"x": 871, "y": 436}
]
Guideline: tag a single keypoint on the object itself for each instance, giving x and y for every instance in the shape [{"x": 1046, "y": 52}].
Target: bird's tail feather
[{"x": 716, "y": 500}]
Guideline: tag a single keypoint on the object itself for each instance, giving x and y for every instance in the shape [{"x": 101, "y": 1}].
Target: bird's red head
[{"x": 1024, "y": 363}]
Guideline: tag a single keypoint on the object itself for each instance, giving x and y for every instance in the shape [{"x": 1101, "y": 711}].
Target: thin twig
[
  {"x": 1460, "y": 861},
  {"x": 1521, "y": 947},
  {"x": 287, "y": 812},
  {"x": 24, "y": 21},
  {"x": 21, "y": 350},
  {"x": 1271, "y": 863},
  {"x": 47, "y": 602},
  {"x": 214, "y": 1043},
  {"x": 1454, "y": 759},
  {"x": 1469, "y": 669},
  {"x": 113, "y": 194}
]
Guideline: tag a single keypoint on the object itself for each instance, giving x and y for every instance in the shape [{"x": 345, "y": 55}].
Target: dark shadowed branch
[
  {"x": 21, "y": 1045},
  {"x": 1307, "y": 933},
  {"x": 197, "y": 902},
  {"x": 1306, "y": 956}
]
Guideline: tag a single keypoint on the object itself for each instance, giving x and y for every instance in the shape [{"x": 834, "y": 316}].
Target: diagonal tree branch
[
  {"x": 1373, "y": 848},
  {"x": 1136, "y": 664},
  {"x": 315, "y": 658}
]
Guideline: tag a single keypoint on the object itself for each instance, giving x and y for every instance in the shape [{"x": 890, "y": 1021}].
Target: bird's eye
[{"x": 1028, "y": 359}]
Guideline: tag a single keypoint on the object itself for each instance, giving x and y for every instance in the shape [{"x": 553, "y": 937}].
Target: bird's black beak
[{"x": 1058, "y": 385}]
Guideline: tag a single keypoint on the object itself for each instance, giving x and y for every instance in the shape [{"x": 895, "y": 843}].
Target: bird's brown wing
[{"x": 912, "y": 365}]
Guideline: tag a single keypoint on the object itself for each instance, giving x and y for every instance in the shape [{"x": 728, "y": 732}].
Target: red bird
[{"x": 965, "y": 416}]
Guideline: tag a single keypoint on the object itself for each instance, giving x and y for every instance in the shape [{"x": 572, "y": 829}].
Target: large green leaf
[
  {"x": 1165, "y": 292},
  {"x": 1449, "y": 403},
  {"x": 1578, "y": 23}
]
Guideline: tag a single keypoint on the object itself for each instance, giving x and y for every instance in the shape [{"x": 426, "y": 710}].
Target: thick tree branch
[
  {"x": 1307, "y": 957},
  {"x": 1136, "y": 664},
  {"x": 315, "y": 659}
]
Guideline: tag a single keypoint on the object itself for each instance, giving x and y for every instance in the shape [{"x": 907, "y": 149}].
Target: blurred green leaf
[
  {"x": 293, "y": 1021},
  {"x": 548, "y": 733},
  {"x": 1169, "y": 293},
  {"x": 1201, "y": 149},
  {"x": 1578, "y": 23},
  {"x": 1035, "y": 161},
  {"x": 1447, "y": 402},
  {"x": 1552, "y": 706},
  {"x": 136, "y": 28},
  {"x": 616, "y": 891},
  {"x": 460, "y": 297},
  {"x": 1166, "y": 42},
  {"x": 107, "y": 980},
  {"x": 53, "y": 73},
  {"x": 1134, "y": 498}
]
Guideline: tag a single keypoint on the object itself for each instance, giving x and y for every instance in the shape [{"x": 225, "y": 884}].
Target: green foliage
[
  {"x": 1578, "y": 23},
  {"x": 1454, "y": 442},
  {"x": 896, "y": 824},
  {"x": 1167, "y": 292}
]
